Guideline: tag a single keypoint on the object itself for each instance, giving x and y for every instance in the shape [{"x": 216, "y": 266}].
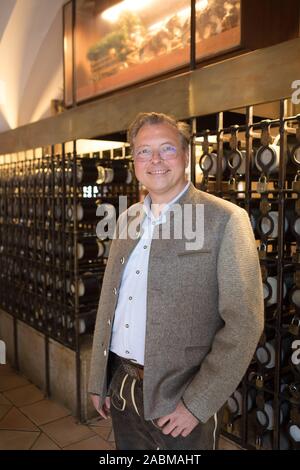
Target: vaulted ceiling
[{"x": 31, "y": 60}]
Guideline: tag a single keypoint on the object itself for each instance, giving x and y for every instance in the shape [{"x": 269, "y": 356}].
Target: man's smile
[{"x": 158, "y": 172}]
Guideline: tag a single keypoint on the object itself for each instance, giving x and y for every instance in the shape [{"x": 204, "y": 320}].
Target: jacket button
[
  {"x": 105, "y": 352},
  {"x": 115, "y": 290},
  {"x": 108, "y": 322},
  {"x": 122, "y": 260}
]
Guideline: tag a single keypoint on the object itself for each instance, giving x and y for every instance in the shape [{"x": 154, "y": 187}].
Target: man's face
[{"x": 162, "y": 178}]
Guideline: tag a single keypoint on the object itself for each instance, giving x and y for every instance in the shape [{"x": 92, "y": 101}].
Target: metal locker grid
[
  {"x": 51, "y": 261},
  {"x": 257, "y": 166}
]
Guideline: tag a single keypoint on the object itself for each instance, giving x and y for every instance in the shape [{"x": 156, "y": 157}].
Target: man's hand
[
  {"x": 104, "y": 410},
  {"x": 179, "y": 423}
]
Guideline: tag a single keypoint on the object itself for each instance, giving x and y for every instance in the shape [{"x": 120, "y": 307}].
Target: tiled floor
[{"x": 29, "y": 421}]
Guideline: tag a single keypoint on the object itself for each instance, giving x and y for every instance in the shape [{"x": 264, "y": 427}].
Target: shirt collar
[{"x": 147, "y": 203}]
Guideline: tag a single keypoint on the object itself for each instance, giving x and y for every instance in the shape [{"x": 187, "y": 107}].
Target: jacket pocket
[{"x": 193, "y": 252}]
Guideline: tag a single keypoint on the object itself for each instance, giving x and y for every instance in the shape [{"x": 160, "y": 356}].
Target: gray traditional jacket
[{"x": 204, "y": 310}]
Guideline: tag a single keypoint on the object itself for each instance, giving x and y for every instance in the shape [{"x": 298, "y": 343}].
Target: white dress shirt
[{"x": 129, "y": 327}]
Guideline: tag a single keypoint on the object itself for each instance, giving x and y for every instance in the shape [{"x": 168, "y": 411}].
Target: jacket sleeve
[{"x": 241, "y": 307}]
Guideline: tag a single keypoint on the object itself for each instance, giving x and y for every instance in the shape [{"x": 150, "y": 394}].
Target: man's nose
[{"x": 156, "y": 158}]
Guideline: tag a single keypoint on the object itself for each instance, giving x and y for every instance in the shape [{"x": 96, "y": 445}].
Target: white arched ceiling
[
  {"x": 31, "y": 60},
  {"x": 6, "y": 8},
  {"x": 42, "y": 81},
  {"x": 3, "y": 123}
]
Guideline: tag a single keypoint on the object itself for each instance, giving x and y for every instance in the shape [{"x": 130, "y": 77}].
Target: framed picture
[
  {"x": 121, "y": 43},
  {"x": 218, "y": 27},
  {"x": 112, "y": 44}
]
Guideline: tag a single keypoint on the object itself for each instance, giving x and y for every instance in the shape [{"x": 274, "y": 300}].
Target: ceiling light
[{"x": 112, "y": 14}]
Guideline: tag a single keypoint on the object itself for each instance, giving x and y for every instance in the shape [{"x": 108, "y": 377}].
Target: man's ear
[{"x": 186, "y": 158}]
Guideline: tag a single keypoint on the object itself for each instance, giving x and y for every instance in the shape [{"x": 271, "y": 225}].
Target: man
[{"x": 177, "y": 323}]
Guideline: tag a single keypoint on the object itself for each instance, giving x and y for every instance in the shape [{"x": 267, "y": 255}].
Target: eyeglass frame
[{"x": 150, "y": 157}]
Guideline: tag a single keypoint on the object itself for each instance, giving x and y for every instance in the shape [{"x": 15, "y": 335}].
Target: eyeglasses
[{"x": 165, "y": 151}]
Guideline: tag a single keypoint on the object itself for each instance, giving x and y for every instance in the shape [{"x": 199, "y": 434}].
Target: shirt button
[
  {"x": 105, "y": 352},
  {"x": 115, "y": 290},
  {"x": 127, "y": 352},
  {"x": 130, "y": 298},
  {"x": 145, "y": 247},
  {"x": 122, "y": 260},
  {"x": 153, "y": 223},
  {"x": 138, "y": 272},
  {"x": 126, "y": 326}
]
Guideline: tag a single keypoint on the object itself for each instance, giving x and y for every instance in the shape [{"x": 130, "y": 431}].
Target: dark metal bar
[
  {"x": 63, "y": 228},
  {"x": 75, "y": 274},
  {"x": 193, "y": 151},
  {"x": 220, "y": 133},
  {"x": 47, "y": 356},
  {"x": 280, "y": 269},
  {"x": 193, "y": 36},
  {"x": 249, "y": 122}
]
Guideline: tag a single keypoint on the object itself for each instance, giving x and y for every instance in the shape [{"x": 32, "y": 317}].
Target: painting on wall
[{"x": 119, "y": 43}]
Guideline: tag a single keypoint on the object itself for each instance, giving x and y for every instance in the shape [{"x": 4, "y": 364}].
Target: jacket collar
[{"x": 137, "y": 214}]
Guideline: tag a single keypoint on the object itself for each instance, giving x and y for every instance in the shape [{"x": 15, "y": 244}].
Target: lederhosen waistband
[{"x": 134, "y": 370}]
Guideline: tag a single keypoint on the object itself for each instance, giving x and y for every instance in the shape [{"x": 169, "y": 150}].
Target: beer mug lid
[
  {"x": 101, "y": 248},
  {"x": 232, "y": 404},
  {"x": 80, "y": 250},
  {"x": 297, "y": 224},
  {"x": 269, "y": 412},
  {"x": 297, "y": 154},
  {"x": 109, "y": 175},
  {"x": 206, "y": 162},
  {"x": 262, "y": 355},
  {"x": 267, "y": 291},
  {"x": 295, "y": 432},
  {"x": 296, "y": 297},
  {"x": 81, "y": 288},
  {"x": 267, "y": 155},
  {"x": 262, "y": 418},
  {"x": 129, "y": 177},
  {"x": 101, "y": 174},
  {"x": 79, "y": 173}
]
